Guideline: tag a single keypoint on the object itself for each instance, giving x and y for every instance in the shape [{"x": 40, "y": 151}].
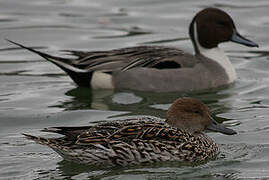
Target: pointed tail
[
  {"x": 63, "y": 63},
  {"x": 81, "y": 77},
  {"x": 46, "y": 56},
  {"x": 37, "y": 139}
]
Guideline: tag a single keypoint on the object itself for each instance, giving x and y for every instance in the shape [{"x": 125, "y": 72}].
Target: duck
[
  {"x": 159, "y": 68},
  {"x": 143, "y": 140}
]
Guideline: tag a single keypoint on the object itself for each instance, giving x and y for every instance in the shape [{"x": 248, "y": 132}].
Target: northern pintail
[
  {"x": 143, "y": 140},
  {"x": 159, "y": 68}
]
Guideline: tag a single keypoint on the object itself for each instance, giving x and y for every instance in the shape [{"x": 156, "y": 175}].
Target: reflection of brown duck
[
  {"x": 158, "y": 68},
  {"x": 141, "y": 140}
]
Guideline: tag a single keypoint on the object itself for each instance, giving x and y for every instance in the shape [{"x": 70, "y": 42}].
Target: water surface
[{"x": 35, "y": 94}]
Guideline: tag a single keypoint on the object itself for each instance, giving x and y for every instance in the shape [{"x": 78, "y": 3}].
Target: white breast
[{"x": 217, "y": 55}]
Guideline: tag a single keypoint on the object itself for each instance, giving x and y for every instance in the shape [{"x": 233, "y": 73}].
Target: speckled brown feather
[{"x": 132, "y": 141}]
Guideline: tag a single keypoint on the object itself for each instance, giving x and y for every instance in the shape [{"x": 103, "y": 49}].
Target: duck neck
[{"x": 216, "y": 54}]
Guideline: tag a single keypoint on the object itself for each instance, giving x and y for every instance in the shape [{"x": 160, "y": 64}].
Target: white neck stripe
[{"x": 217, "y": 55}]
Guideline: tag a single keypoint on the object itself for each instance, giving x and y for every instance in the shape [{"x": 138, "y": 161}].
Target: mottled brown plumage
[{"x": 141, "y": 140}]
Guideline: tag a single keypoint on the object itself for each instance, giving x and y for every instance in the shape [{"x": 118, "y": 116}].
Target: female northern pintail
[
  {"x": 142, "y": 140},
  {"x": 158, "y": 68}
]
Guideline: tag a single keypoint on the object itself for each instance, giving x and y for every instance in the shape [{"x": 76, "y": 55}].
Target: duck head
[
  {"x": 194, "y": 117},
  {"x": 212, "y": 26}
]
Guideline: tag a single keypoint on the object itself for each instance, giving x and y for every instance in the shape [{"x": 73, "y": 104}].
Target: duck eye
[
  {"x": 196, "y": 112},
  {"x": 221, "y": 23}
]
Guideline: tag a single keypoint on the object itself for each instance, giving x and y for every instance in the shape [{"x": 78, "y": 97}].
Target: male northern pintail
[
  {"x": 158, "y": 68},
  {"x": 143, "y": 140}
]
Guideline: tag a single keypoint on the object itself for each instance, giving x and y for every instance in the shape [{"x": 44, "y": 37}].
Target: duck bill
[
  {"x": 215, "y": 126},
  {"x": 237, "y": 38}
]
